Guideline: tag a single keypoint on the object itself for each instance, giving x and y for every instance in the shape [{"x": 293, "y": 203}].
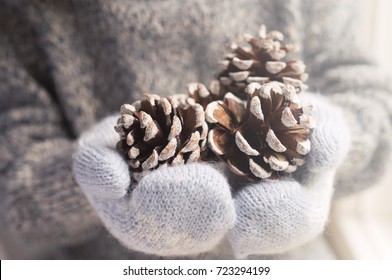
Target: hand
[
  {"x": 181, "y": 210},
  {"x": 276, "y": 216}
]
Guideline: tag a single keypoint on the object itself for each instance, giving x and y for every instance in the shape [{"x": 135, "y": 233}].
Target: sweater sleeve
[
  {"x": 41, "y": 201},
  {"x": 334, "y": 51}
]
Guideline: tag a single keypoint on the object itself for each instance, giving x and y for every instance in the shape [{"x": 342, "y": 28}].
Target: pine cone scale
[
  {"x": 218, "y": 112},
  {"x": 253, "y": 130},
  {"x": 220, "y": 141},
  {"x": 235, "y": 106},
  {"x": 258, "y": 170},
  {"x": 244, "y": 146},
  {"x": 169, "y": 150},
  {"x": 151, "y": 161},
  {"x": 242, "y": 64},
  {"x": 238, "y": 162}
]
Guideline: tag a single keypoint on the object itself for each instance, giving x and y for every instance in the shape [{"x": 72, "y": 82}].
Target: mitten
[
  {"x": 277, "y": 215},
  {"x": 181, "y": 210}
]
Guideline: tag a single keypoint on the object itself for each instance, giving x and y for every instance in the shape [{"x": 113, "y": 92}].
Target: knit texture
[
  {"x": 99, "y": 168},
  {"x": 65, "y": 65},
  {"x": 48, "y": 209},
  {"x": 182, "y": 210},
  {"x": 274, "y": 217},
  {"x": 330, "y": 139}
]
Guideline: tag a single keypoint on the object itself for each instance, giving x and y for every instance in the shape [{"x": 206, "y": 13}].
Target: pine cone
[
  {"x": 265, "y": 137},
  {"x": 157, "y": 132},
  {"x": 262, "y": 61}
]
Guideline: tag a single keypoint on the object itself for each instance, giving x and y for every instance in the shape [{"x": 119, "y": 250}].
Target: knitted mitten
[
  {"x": 180, "y": 210},
  {"x": 275, "y": 216},
  {"x": 188, "y": 209}
]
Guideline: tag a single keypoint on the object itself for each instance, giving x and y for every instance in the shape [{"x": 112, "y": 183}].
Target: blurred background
[{"x": 360, "y": 226}]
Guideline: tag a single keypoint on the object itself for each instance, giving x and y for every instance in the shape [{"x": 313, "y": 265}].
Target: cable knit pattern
[{"x": 65, "y": 65}]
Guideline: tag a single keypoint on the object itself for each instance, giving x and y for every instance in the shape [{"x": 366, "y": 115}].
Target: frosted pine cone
[
  {"x": 266, "y": 136},
  {"x": 157, "y": 132},
  {"x": 262, "y": 61}
]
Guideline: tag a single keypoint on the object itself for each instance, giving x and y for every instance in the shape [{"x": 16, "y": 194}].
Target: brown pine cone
[
  {"x": 265, "y": 137},
  {"x": 157, "y": 132},
  {"x": 262, "y": 61}
]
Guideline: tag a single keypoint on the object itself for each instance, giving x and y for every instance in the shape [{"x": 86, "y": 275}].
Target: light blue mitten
[
  {"x": 278, "y": 215},
  {"x": 188, "y": 209},
  {"x": 180, "y": 210}
]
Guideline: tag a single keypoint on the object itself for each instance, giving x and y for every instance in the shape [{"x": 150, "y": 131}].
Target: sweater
[{"x": 64, "y": 65}]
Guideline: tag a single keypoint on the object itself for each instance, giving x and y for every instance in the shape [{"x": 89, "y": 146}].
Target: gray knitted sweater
[{"x": 64, "y": 65}]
